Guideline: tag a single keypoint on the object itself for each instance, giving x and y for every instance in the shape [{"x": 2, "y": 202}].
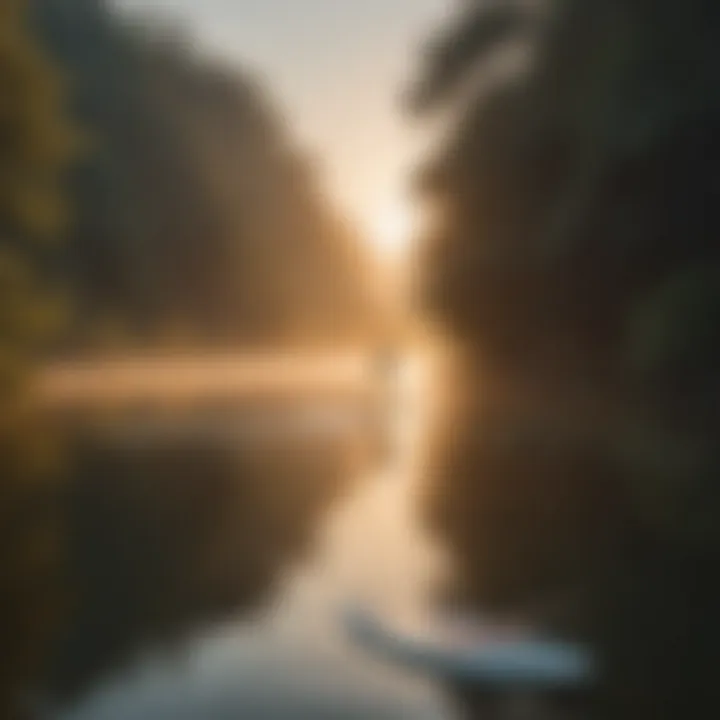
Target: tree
[
  {"x": 197, "y": 213},
  {"x": 576, "y": 271},
  {"x": 34, "y": 144}
]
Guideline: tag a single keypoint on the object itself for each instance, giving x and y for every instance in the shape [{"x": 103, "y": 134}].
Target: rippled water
[{"x": 292, "y": 658}]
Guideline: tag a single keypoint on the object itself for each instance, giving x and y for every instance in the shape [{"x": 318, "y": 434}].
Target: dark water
[{"x": 216, "y": 545}]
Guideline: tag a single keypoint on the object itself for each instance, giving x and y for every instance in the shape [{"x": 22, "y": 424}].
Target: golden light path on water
[{"x": 374, "y": 551}]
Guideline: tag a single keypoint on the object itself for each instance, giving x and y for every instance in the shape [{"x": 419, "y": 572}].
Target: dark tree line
[
  {"x": 35, "y": 143},
  {"x": 147, "y": 194},
  {"x": 197, "y": 220},
  {"x": 575, "y": 266}
]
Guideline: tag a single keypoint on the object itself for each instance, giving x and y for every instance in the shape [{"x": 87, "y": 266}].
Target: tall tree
[
  {"x": 577, "y": 272},
  {"x": 198, "y": 215},
  {"x": 34, "y": 145}
]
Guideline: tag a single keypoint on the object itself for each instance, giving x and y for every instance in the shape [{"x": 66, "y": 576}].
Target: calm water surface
[{"x": 290, "y": 658}]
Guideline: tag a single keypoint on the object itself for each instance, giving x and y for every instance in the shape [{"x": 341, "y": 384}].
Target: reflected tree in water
[
  {"x": 35, "y": 143},
  {"x": 576, "y": 270},
  {"x": 169, "y": 538}
]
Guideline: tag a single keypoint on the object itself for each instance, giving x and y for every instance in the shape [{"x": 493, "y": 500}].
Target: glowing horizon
[{"x": 392, "y": 231}]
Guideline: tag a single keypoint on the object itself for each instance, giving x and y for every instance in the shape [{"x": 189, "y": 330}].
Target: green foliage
[
  {"x": 673, "y": 332},
  {"x": 578, "y": 272},
  {"x": 35, "y": 142}
]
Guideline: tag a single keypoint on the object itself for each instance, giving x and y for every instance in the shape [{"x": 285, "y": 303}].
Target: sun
[{"x": 392, "y": 230}]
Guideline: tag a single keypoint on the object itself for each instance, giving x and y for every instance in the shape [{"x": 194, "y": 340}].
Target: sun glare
[{"x": 392, "y": 231}]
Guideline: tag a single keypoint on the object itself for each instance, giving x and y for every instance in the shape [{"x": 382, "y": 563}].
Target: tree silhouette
[
  {"x": 35, "y": 143},
  {"x": 576, "y": 271},
  {"x": 197, "y": 215}
]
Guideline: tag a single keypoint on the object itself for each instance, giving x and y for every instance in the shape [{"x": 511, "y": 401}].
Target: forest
[
  {"x": 574, "y": 267},
  {"x": 152, "y": 198},
  {"x": 187, "y": 192}
]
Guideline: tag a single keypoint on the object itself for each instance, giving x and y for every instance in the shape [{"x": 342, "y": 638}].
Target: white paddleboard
[{"x": 476, "y": 656}]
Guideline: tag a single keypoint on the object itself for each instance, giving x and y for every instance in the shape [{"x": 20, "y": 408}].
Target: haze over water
[{"x": 291, "y": 659}]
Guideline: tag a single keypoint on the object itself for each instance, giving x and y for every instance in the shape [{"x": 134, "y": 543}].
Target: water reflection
[{"x": 284, "y": 655}]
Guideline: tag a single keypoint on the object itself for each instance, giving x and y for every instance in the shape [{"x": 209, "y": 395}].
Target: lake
[{"x": 225, "y": 512}]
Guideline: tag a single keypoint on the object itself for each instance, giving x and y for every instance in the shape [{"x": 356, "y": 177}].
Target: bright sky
[{"x": 335, "y": 67}]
